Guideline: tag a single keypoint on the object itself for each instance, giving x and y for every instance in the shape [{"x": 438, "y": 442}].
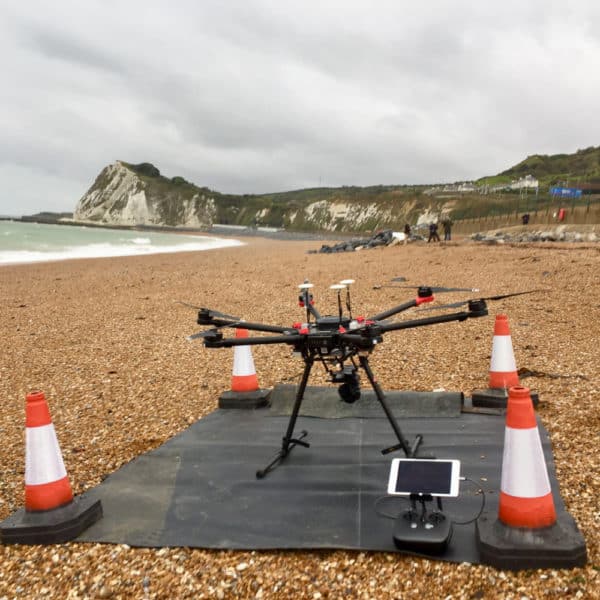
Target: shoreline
[{"x": 219, "y": 230}]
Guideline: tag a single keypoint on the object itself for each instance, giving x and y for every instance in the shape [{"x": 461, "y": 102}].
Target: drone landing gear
[
  {"x": 289, "y": 442},
  {"x": 409, "y": 451},
  {"x": 287, "y": 446}
]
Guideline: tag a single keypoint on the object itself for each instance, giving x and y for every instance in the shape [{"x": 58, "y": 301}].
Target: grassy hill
[
  {"x": 399, "y": 203},
  {"x": 581, "y": 167}
]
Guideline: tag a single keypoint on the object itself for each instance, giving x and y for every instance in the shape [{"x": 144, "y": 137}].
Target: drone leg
[
  {"x": 288, "y": 442},
  {"x": 403, "y": 444}
]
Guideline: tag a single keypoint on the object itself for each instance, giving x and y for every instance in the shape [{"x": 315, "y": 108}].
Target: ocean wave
[{"x": 106, "y": 250}]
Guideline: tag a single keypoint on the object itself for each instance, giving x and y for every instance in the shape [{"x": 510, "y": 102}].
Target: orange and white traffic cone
[
  {"x": 503, "y": 368},
  {"x": 51, "y": 514},
  {"x": 527, "y": 532},
  {"x": 245, "y": 392},
  {"x": 244, "y": 377},
  {"x": 46, "y": 483},
  {"x": 525, "y": 494}
]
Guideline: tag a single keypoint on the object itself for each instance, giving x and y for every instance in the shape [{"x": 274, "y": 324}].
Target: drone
[{"x": 342, "y": 343}]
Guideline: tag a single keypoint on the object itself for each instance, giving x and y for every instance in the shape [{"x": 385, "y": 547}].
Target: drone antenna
[
  {"x": 339, "y": 287},
  {"x": 348, "y": 283}
]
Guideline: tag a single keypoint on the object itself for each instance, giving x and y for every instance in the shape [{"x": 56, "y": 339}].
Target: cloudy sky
[{"x": 251, "y": 96}]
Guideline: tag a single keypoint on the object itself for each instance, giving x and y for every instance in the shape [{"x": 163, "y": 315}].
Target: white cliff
[{"x": 122, "y": 196}]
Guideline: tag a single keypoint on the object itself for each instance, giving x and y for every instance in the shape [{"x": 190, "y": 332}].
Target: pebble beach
[{"x": 105, "y": 339}]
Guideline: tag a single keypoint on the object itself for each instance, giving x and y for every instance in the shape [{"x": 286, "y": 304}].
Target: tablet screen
[{"x": 421, "y": 476}]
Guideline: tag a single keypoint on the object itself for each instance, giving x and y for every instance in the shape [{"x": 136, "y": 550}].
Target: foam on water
[{"x": 44, "y": 243}]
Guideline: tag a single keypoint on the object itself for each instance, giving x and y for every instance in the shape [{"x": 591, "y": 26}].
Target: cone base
[
  {"x": 256, "y": 399},
  {"x": 496, "y": 398},
  {"x": 52, "y": 526},
  {"x": 516, "y": 548}
]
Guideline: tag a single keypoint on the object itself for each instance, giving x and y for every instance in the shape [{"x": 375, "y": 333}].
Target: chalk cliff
[{"x": 125, "y": 194}]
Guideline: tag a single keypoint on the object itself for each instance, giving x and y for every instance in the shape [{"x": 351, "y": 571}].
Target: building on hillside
[
  {"x": 527, "y": 182},
  {"x": 462, "y": 188}
]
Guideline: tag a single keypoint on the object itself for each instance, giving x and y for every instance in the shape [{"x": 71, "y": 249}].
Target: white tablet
[{"x": 424, "y": 476}]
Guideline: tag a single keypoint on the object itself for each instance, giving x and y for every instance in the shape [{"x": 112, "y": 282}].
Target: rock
[
  {"x": 559, "y": 234},
  {"x": 124, "y": 195}
]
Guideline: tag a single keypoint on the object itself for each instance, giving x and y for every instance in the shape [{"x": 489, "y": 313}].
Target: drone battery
[{"x": 332, "y": 323}]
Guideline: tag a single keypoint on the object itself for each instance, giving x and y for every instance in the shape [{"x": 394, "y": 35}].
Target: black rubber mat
[
  {"x": 199, "y": 489},
  {"x": 325, "y": 402}
]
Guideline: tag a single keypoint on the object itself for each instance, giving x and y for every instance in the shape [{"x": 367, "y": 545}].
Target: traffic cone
[
  {"x": 51, "y": 513},
  {"x": 244, "y": 377},
  {"x": 46, "y": 483},
  {"x": 525, "y": 494},
  {"x": 245, "y": 391},
  {"x": 527, "y": 531},
  {"x": 503, "y": 369}
]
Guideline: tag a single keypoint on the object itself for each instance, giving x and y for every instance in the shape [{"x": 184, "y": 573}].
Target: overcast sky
[{"x": 260, "y": 96}]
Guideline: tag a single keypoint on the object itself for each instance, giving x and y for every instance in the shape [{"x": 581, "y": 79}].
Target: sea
[{"x": 35, "y": 242}]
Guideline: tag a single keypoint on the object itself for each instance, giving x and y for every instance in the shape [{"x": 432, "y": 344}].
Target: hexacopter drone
[{"x": 342, "y": 343}]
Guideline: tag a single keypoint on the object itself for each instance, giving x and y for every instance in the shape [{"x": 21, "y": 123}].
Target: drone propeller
[
  {"x": 214, "y": 313},
  {"x": 465, "y": 302},
  {"x": 202, "y": 334},
  {"x": 215, "y": 330}
]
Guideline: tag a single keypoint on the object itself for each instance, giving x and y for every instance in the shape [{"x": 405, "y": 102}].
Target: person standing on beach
[
  {"x": 433, "y": 234},
  {"x": 447, "y": 224},
  {"x": 406, "y": 233}
]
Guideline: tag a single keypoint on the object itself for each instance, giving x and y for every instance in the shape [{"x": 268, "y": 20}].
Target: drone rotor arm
[
  {"x": 264, "y": 327},
  {"x": 291, "y": 339},
  {"x": 476, "y": 309},
  {"x": 393, "y": 311},
  {"x": 424, "y": 294}
]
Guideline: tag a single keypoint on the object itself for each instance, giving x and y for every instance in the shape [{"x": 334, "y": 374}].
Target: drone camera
[{"x": 349, "y": 389}]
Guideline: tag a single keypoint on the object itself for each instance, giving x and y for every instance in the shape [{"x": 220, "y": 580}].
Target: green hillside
[
  {"x": 581, "y": 167},
  {"x": 392, "y": 205}
]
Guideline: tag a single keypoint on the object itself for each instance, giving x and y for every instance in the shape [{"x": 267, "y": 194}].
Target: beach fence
[{"x": 547, "y": 214}]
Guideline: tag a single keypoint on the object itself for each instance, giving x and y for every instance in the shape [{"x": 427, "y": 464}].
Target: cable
[
  {"x": 382, "y": 513},
  {"x": 479, "y": 491},
  {"x": 387, "y": 515}
]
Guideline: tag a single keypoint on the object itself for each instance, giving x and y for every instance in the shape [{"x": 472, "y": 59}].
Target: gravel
[{"x": 106, "y": 341}]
